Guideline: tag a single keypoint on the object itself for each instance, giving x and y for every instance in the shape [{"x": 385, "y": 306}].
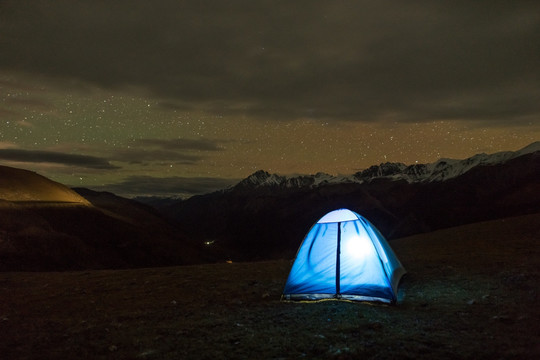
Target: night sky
[{"x": 183, "y": 97}]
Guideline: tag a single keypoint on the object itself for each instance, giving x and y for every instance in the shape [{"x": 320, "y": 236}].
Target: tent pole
[{"x": 338, "y": 266}]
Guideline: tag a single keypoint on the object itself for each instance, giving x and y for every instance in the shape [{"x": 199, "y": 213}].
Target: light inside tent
[{"x": 358, "y": 246}]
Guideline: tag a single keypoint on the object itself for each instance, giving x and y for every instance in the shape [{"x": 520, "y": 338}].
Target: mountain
[
  {"x": 441, "y": 170},
  {"x": 45, "y": 226},
  {"x": 262, "y": 178},
  {"x": 266, "y": 215}
]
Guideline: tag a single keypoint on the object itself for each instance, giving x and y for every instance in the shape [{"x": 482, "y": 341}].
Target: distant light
[
  {"x": 209, "y": 242},
  {"x": 229, "y": 261}
]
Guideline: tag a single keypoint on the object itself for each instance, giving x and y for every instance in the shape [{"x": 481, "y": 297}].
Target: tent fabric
[{"x": 344, "y": 256}]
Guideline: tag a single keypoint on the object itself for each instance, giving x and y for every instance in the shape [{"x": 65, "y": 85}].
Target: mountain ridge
[{"x": 440, "y": 170}]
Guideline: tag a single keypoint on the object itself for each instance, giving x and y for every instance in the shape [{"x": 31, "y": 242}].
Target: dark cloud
[
  {"x": 37, "y": 156},
  {"x": 36, "y": 104},
  {"x": 171, "y": 186},
  {"x": 182, "y": 144},
  {"x": 6, "y": 113},
  {"x": 355, "y": 60},
  {"x": 175, "y": 106},
  {"x": 139, "y": 156},
  {"x": 175, "y": 151}
]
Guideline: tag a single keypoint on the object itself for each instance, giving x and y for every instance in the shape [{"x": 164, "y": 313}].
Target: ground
[{"x": 470, "y": 293}]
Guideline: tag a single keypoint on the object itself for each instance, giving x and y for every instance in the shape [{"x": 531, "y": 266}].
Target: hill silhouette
[{"x": 46, "y": 226}]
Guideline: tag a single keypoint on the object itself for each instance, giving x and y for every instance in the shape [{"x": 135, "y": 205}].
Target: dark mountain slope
[
  {"x": 46, "y": 237},
  {"x": 46, "y": 226}
]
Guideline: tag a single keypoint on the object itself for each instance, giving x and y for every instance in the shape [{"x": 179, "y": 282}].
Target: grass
[{"x": 470, "y": 293}]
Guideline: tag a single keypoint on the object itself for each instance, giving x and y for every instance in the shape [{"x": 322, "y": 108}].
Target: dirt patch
[{"x": 470, "y": 293}]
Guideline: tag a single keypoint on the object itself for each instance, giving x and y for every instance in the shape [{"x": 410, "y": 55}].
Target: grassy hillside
[
  {"x": 471, "y": 292},
  {"x": 23, "y": 185}
]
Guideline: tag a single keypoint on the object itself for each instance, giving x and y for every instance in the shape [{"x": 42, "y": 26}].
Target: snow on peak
[
  {"x": 383, "y": 170},
  {"x": 259, "y": 178},
  {"x": 534, "y": 147}
]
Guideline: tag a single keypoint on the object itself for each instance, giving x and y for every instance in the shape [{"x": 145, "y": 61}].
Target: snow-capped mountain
[
  {"x": 441, "y": 170},
  {"x": 264, "y": 178}
]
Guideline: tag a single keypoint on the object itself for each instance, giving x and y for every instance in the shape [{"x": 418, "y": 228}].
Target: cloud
[
  {"x": 182, "y": 144},
  {"x": 6, "y": 113},
  {"x": 37, "y": 156},
  {"x": 176, "y": 151},
  {"x": 138, "y": 156},
  {"x": 37, "y": 104},
  {"x": 170, "y": 186},
  {"x": 352, "y": 60}
]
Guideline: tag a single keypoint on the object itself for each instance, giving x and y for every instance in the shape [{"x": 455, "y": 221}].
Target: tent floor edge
[{"x": 311, "y": 298}]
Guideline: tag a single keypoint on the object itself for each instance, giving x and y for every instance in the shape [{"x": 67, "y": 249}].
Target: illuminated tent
[{"x": 344, "y": 256}]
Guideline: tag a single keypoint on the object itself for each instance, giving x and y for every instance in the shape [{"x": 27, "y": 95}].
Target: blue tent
[{"x": 344, "y": 256}]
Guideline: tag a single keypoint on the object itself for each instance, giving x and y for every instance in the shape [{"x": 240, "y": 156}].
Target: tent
[{"x": 344, "y": 256}]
